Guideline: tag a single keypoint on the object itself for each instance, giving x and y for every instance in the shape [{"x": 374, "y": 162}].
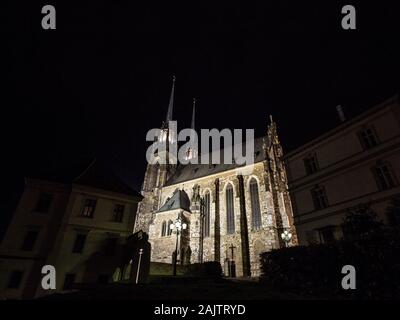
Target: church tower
[
  {"x": 276, "y": 171},
  {"x": 192, "y": 151},
  {"x": 157, "y": 173}
]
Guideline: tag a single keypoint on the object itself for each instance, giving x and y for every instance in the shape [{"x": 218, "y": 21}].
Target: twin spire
[
  {"x": 171, "y": 106},
  {"x": 171, "y": 102},
  {"x": 193, "y": 114}
]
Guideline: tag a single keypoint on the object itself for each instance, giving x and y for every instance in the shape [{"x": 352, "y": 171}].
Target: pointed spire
[
  {"x": 171, "y": 102},
  {"x": 191, "y": 151},
  {"x": 193, "y": 114},
  {"x": 272, "y": 131}
]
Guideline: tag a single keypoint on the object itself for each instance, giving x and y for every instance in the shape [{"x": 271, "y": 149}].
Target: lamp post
[
  {"x": 138, "y": 267},
  {"x": 178, "y": 226},
  {"x": 286, "y": 236}
]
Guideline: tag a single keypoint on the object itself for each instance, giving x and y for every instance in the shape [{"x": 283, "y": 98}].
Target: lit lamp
[
  {"x": 178, "y": 226},
  {"x": 286, "y": 236}
]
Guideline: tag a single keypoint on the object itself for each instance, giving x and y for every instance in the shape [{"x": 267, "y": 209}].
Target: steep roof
[
  {"x": 179, "y": 200},
  {"x": 94, "y": 174},
  {"x": 390, "y": 102},
  {"x": 194, "y": 171},
  {"x": 100, "y": 177}
]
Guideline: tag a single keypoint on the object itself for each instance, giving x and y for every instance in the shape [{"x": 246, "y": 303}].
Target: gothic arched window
[
  {"x": 230, "y": 213},
  {"x": 206, "y": 226},
  {"x": 164, "y": 229},
  {"x": 169, "y": 230},
  {"x": 255, "y": 205}
]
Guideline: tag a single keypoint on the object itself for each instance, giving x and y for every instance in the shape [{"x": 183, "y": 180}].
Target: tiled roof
[
  {"x": 179, "y": 200},
  {"x": 100, "y": 177},
  {"x": 193, "y": 171},
  {"x": 93, "y": 174}
]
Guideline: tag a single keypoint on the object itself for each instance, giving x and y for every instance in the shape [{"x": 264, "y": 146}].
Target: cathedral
[{"x": 224, "y": 215}]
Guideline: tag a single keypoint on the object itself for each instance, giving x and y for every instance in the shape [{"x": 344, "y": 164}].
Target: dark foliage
[
  {"x": 211, "y": 269},
  {"x": 372, "y": 248},
  {"x": 360, "y": 223},
  {"x": 393, "y": 212}
]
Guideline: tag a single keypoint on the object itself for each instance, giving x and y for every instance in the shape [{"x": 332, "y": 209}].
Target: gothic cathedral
[{"x": 229, "y": 217}]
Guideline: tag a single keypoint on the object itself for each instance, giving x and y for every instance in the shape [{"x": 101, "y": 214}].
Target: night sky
[{"x": 96, "y": 84}]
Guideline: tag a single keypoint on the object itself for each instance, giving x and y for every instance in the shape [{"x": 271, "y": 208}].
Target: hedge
[
  {"x": 210, "y": 269},
  {"x": 316, "y": 270}
]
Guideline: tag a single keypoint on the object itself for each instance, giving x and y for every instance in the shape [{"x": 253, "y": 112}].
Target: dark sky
[{"x": 96, "y": 84}]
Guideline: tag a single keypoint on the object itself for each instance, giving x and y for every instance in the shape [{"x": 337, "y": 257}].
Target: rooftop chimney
[{"x": 340, "y": 112}]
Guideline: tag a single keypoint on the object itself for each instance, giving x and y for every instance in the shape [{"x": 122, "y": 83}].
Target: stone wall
[
  {"x": 163, "y": 247},
  {"x": 259, "y": 241}
]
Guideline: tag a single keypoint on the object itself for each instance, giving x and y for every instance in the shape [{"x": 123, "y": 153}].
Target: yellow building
[{"x": 63, "y": 223}]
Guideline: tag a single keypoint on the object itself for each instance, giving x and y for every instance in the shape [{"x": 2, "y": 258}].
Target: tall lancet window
[
  {"x": 169, "y": 230},
  {"x": 255, "y": 205},
  {"x": 206, "y": 227},
  {"x": 230, "y": 213},
  {"x": 164, "y": 229}
]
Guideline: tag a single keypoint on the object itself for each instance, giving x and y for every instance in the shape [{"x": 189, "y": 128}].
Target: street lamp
[
  {"x": 178, "y": 226},
  {"x": 286, "y": 236},
  {"x": 138, "y": 266}
]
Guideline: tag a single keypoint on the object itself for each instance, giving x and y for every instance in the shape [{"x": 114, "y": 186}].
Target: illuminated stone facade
[{"x": 258, "y": 213}]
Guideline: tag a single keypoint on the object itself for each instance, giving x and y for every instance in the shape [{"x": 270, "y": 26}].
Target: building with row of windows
[
  {"x": 356, "y": 163},
  {"x": 65, "y": 222}
]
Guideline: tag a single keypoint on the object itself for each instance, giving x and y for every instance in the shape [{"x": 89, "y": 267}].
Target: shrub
[
  {"x": 316, "y": 270},
  {"x": 301, "y": 269},
  {"x": 165, "y": 269},
  {"x": 368, "y": 245},
  {"x": 393, "y": 212},
  {"x": 361, "y": 223},
  {"x": 211, "y": 269}
]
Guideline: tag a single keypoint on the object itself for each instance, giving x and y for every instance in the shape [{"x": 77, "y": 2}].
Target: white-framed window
[
  {"x": 118, "y": 212},
  {"x": 311, "y": 163},
  {"x": 384, "y": 175},
  {"x": 368, "y": 137},
  {"x": 319, "y": 197},
  {"x": 89, "y": 208}
]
